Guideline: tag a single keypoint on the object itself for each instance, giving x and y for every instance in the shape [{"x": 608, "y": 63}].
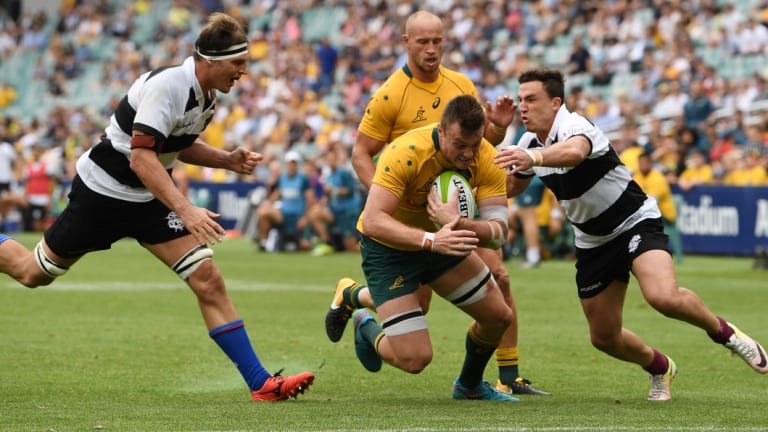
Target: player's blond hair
[{"x": 221, "y": 31}]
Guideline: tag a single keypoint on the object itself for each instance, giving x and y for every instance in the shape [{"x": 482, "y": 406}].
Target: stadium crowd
[{"x": 683, "y": 81}]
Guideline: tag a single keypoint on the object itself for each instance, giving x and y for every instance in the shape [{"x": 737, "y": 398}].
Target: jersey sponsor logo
[
  {"x": 398, "y": 283},
  {"x": 419, "y": 115},
  {"x": 174, "y": 222},
  {"x": 436, "y": 102}
]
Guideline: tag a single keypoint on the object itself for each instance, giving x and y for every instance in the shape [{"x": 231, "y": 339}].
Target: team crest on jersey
[
  {"x": 634, "y": 243},
  {"x": 419, "y": 115},
  {"x": 174, "y": 222}
]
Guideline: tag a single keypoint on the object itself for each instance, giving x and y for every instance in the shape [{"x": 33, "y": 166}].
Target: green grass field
[{"x": 118, "y": 344}]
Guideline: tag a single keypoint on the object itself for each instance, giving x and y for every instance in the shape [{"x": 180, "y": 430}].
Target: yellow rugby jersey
[
  {"x": 657, "y": 186},
  {"x": 403, "y": 103},
  {"x": 409, "y": 165},
  {"x": 746, "y": 177},
  {"x": 702, "y": 173},
  {"x": 544, "y": 209}
]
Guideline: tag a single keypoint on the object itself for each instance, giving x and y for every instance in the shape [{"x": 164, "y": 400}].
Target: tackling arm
[{"x": 568, "y": 153}]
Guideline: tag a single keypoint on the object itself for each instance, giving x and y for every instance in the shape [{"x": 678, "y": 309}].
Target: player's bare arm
[
  {"x": 239, "y": 160},
  {"x": 379, "y": 223},
  {"x": 487, "y": 229},
  {"x": 569, "y": 153},
  {"x": 363, "y": 151},
  {"x": 198, "y": 221},
  {"x": 516, "y": 186}
]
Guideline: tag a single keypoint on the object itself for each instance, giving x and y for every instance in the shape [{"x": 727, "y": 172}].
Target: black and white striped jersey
[
  {"x": 599, "y": 196},
  {"x": 167, "y": 103}
]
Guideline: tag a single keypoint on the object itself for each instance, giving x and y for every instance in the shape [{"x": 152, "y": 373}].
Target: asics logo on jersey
[
  {"x": 634, "y": 243},
  {"x": 436, "y": 103},
  {"x": 419, "y": 115},
  {"x": 174, "y": 222},
  {"x": 398, "y": 283}
]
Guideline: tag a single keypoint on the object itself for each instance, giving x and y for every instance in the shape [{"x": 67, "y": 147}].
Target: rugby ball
[{"x": 447, "y": 183}]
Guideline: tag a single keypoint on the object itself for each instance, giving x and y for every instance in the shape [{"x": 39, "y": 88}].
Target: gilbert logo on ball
[{"x": 447, "y": 183}]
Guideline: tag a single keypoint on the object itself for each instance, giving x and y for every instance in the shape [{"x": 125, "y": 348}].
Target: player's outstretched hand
[
  {"x": 200, "y": 223},
  {"x": 502, "y": 112},
  {"x": 513, "y": 158}
]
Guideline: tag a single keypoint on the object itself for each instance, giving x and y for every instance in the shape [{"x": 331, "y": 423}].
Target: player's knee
[
  {"x": 664, "y": 303},
  {"x": 35, "y": 280},
  {"x": 493, "y": 323},
  {"x": 499, "y": 321},
  {"x": 44, "y": 272},
  {"x": 416, "y": 362},
  {"x": 192, "y": 261},
  {"x": 604, "y": 341},
  {"x": 207, "y": 283}
]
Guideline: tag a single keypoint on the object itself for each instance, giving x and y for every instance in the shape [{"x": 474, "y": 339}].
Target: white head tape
[{"x": 227, "y": 53}]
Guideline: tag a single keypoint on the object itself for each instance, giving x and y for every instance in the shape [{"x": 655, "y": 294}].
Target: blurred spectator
[
  {"x": 555, "y": 232},
  {"x": 724, "y": 141},
  {"x": 603, "y": 75},
  {"x": 579, "y": 59},
  {"x": 687, "y": 140},
  {"x": 40, "y": 177},
  {"x": 492, "y": 88},
  {"x": 9, "y": 170},
  {"x": 327, "y": 58},
  {"x": 334, "y": 217},
  {"x": 665, "y": 151},
  {"x": 655, "y": 184},
  {"x": 698, "y": 108},
  {"x": 524, "y": 210},
  {"x": 9, "y": 34},
  {"x": 671, "y": 100},
  {"x": 605, "y": 117},
  {"x": 628, "y": 147},
  {"x": 35, "y": 38},
  {"x": 743, "y": 170},
  {"x": 282, "y": 218},
  {"x": 757, "y": 139},
  {"x": 752, "y": 37},
  {"x": 179, "y": 17},
  {"x": 8, "y": 95},
  {"x": 697, "y": 171}
]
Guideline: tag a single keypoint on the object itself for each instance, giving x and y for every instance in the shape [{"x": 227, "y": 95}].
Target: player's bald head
[{"x": 422, "y": 20}]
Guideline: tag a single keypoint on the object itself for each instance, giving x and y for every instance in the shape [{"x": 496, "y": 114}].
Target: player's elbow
[
  {"x": 138, "y": 162},
  {"x": 369, "y": 226}
]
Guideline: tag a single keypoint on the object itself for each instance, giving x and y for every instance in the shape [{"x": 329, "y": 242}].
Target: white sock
[{"x": 532, "y": 254}]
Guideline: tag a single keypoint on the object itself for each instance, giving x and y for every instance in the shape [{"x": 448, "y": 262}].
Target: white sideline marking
[
  {"x": 576, "y": 429},
  {"x": 232, "y": 285}
]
